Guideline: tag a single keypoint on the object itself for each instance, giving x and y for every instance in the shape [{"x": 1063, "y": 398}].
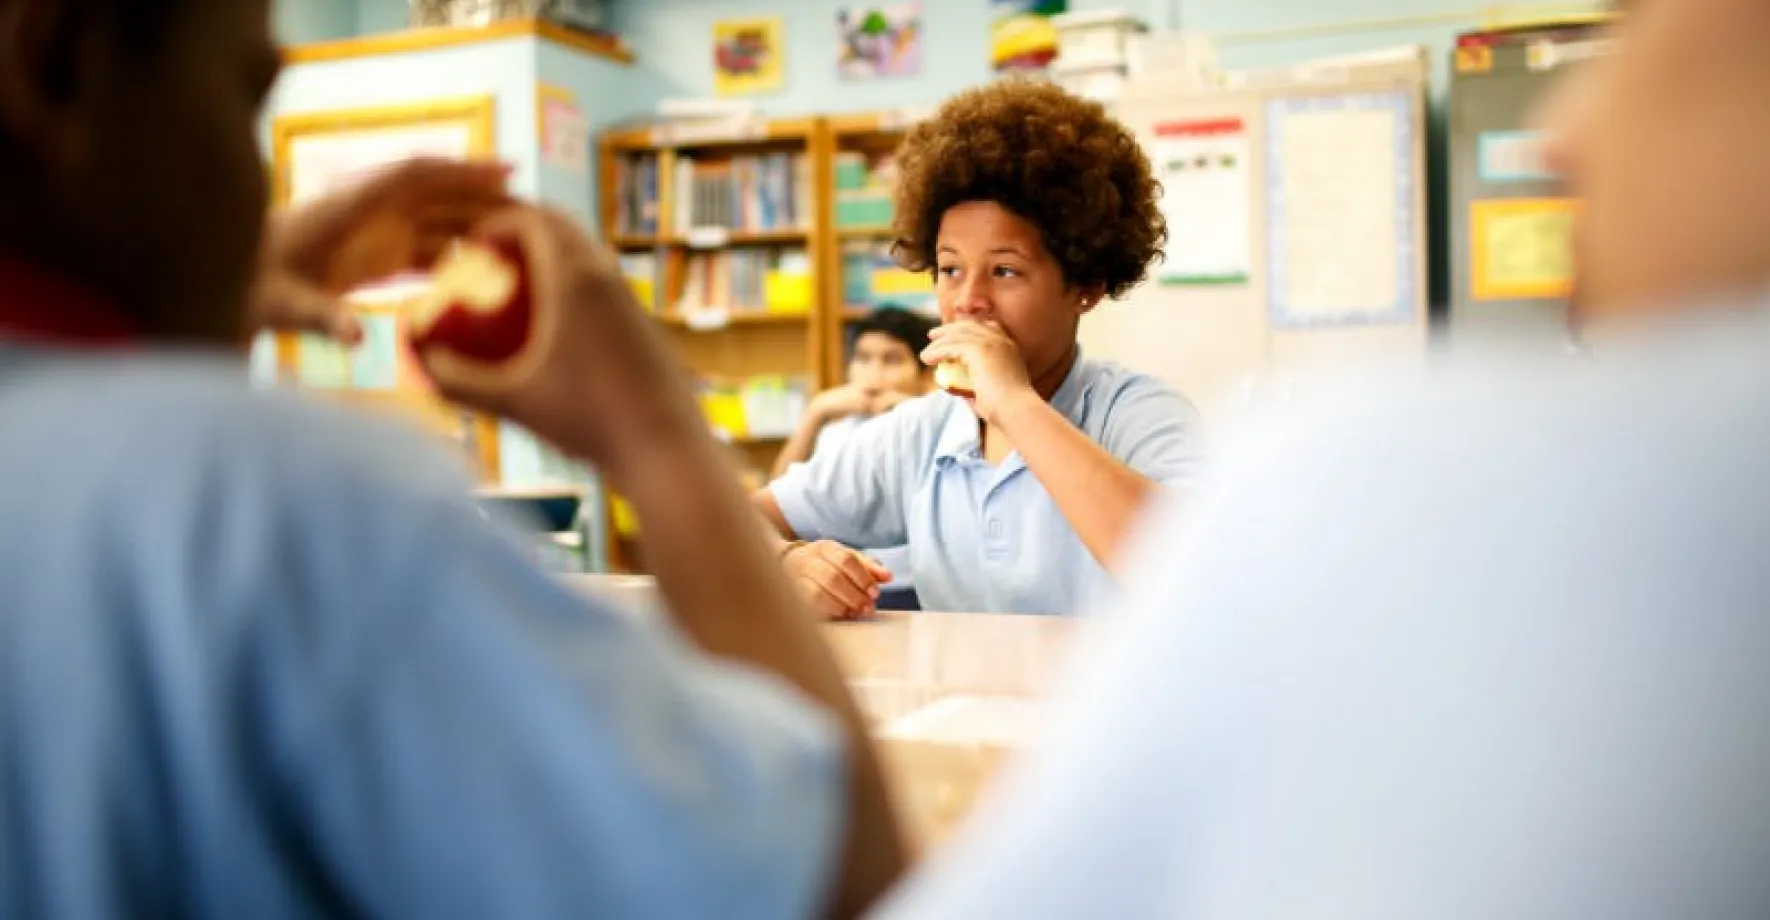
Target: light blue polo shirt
[
  {"x": 261, "y": 657},
  {"x": 982, "y": 538}
]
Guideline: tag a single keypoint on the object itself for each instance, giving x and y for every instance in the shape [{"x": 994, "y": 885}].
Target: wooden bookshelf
[
  {"x": 755, "y": 341},
  {"x": 661, "y": 198},
  {"x": 675, "y": 319}
]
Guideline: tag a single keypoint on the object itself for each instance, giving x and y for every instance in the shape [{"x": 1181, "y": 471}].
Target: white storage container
[
  {"x": 1096, "y": 39},
  {"x": 1101, "y": 83},
  {"x": 1187, "y": 60}
]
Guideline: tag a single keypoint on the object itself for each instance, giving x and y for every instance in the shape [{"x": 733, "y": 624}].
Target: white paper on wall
[{"x": 1207, "y": 198}]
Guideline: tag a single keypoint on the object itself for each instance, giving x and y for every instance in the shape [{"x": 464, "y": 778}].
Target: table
[{"x": 950, "y": 696}]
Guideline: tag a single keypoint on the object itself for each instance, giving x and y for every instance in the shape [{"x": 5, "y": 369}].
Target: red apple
[
  {"x": 478, "y": 306},
  {"x": 952, "y": 377}
]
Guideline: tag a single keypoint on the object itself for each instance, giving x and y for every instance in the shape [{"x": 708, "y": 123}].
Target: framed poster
[
  {"x": 1522, "y": 248},
  {"x": 748, "y": 55},
  {"x": 878, "y": 41},
  {"x": 315, "y": 153}
]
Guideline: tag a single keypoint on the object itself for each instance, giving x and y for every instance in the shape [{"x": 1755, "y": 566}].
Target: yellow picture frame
[
  {"x": 749, "y": 55},
  {"x": 365, "y": 137},
  {"x": 1521, "y": 248}
]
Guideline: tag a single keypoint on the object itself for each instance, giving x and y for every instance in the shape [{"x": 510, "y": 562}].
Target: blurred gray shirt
[{"x": 1487, "y": 643}]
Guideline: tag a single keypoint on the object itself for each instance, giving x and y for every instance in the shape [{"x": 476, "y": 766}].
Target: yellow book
[{"x": 787, "y": 292}]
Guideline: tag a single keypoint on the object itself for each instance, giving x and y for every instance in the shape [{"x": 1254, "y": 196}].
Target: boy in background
[{"x": 885, "y": 370}]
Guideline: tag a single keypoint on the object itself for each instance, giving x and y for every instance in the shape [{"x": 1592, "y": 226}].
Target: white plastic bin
[{"x": 1096, "y": 39}]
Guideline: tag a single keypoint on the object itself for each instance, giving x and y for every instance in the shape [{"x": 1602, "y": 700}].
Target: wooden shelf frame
[{"x": 812, "y": 344}]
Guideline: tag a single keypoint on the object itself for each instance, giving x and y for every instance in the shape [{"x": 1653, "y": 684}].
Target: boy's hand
[
  {"x": 998, "y": 373},
  {"x": 399, "y": 219},
  {"x": 886, "y": 400},
  {"x": 837, "y": 582},
  {"x": 839, "y": 403}
]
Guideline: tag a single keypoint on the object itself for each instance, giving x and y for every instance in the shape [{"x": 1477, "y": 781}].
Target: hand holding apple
[
  {"x": 400, "y": 218},
  {"x": 531, "y": 320},
  {"x": 479, "y": 307},
  {"x": 979, "y": 362},
  {"x": 952, "y": 377}
]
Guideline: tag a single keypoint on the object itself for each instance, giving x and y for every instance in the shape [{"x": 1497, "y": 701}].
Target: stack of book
[
  {"x": 746, "y": 193},
  {"x": 748, "y": 280},
  {"x": 864, "y": 186},
  {"x": 636, "y": 195}
]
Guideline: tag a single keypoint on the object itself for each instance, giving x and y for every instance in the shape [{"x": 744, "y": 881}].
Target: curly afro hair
[{"x": 1056, "y": 160}]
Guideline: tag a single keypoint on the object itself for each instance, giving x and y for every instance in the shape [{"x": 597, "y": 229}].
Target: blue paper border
[{"x": 1407, "y": 240}]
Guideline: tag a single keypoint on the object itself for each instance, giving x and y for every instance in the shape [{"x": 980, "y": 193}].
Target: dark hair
[
  {"x": 140, "y": 28},
  {"x": 1056, "y": 160},
  {"x": 144, "y": 24},
  {"x": 909, "y": 328}
]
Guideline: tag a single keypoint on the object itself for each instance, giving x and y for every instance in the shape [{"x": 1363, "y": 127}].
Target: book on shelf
[
  {"x": 756, "y": 193},
  {"x": 864, "y": 188},
  {"x": 747, "y": 280},
  {"x": 761, "y": 407},
  {"x": 636, "y": 195},
  {"x": 871, "y": 278}
]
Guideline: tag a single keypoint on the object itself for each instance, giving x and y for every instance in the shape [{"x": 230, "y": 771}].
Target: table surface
[{"x": 949, "y": 695}]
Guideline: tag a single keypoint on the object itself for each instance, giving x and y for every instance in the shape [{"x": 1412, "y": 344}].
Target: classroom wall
[
  {"x": 300, "y": 21},
  {"x": 672, "y": 39},
  {"x": 504, "y": 68},
  {"x": 376, "y": 16},
  {"x": 673, "y": 42}
]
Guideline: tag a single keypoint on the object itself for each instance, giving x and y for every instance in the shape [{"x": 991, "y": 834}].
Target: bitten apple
[
  {"x": 478, "y": 306},
  {"x": 952, "y": 377}
]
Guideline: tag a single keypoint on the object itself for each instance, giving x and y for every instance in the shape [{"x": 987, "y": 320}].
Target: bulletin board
[
  {"x": 1342, "y": 208},
  {"x": 1314, "y": 239},
  {"x": 1511, "y": 222},
  {"x": 314, "y": 153}
]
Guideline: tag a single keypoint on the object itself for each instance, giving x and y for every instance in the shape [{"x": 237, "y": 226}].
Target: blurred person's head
[
  {"x": 1667, "y": 142},
  {"x": 887, "y": 355},
  {"x": 128, "y": 155},
  {"x": 1030, "y": 205}
]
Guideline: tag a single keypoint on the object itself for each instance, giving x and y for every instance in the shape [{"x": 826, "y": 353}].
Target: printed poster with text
[{"x": 1207, "y": 198}]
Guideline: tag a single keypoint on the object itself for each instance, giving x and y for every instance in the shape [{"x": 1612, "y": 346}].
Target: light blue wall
[
  {"x": 606, "y": 93},
  {"x": 673, "y": 42},
  {"x": 377, "y": 16},
  {"x": 672, "y": 39},
  {"x": 301, "y": 21},
  {"x": 505, "y": 69}
]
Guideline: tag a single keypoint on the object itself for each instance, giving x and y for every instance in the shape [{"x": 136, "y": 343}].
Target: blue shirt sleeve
[
  {"x": 854, "y": 491},
  {"x": 475, "y": 738},
  {"x": 1154, "y": 431}
]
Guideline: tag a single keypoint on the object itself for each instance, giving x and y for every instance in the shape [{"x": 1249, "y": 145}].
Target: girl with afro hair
[{"x": 1014, "y": 491}]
